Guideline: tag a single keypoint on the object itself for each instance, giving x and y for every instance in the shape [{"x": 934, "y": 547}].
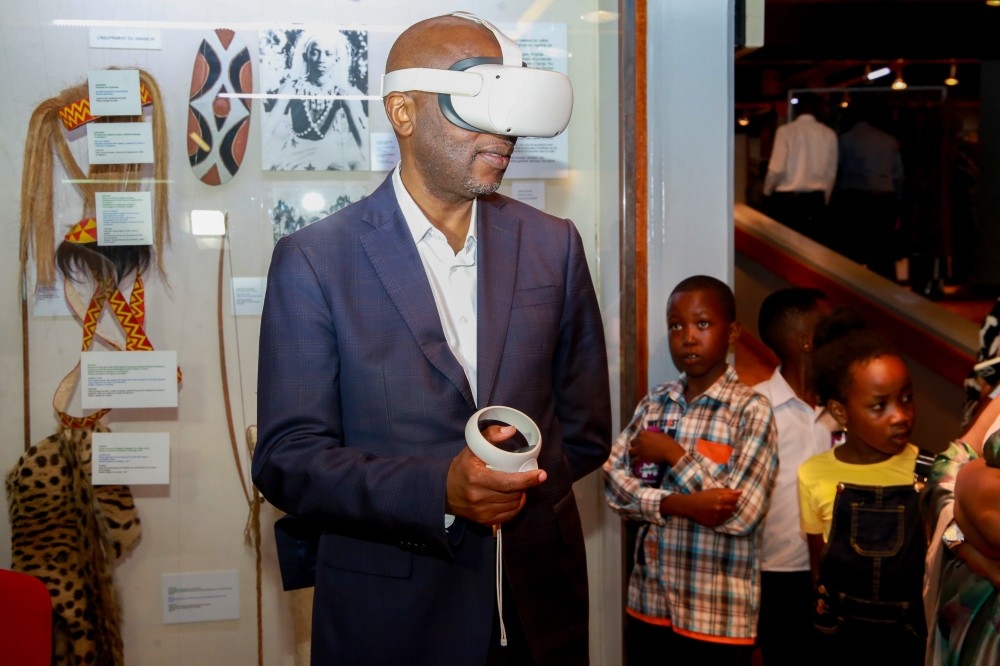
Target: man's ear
[
  {"x": 838, "y": 411},
  {"x": 399, "y": 108}
]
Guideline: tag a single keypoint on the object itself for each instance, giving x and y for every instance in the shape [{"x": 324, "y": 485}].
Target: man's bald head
[{"x": 440, "y": 42}]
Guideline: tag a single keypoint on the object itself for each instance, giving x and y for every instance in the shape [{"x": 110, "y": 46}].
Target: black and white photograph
[
  {"x": 315, "y": 113},
  {"x": 295, "y": 208}
]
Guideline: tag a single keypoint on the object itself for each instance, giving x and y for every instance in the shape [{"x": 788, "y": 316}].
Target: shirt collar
[
  {"x": 416, "y": 221},
  {"x": 718, "y": 391},
  {"x": 779, "y": 389},
  {"x": 780, "y": 393}
]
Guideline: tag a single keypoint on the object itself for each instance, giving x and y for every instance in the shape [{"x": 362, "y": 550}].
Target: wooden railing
[{"x": 938, "y": 339}]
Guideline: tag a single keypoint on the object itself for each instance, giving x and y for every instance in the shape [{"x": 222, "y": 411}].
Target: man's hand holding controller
[{"x": 488, "y": 478}]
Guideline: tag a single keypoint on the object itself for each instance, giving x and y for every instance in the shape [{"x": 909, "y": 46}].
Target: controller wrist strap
[{"x": 498, "y": 535}]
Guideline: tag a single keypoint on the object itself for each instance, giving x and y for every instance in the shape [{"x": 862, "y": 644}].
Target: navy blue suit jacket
[{"x": 362, "y": 406}]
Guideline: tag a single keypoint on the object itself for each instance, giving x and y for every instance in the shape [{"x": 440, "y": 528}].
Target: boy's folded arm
[
  {"x": 707, "y": 507},
  {"x": 752, "y": 467},
  {"x": 626, "y": 494}
]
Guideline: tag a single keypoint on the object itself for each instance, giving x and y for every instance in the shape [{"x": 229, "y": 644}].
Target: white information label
[
  {"x": 124, "y": 218},
  {"x": 120, "y": 143},
  {"x": 531, "y": 192},
  {"x": 248, "y": 295},
  {"x": 125, "y": 38},
  {"x": 50, "y": 301},
  {"x": 114, "y": 92},
  {"x": 385, "y": 151},
  {"x": 200, "y": 597},
  {"x": 128, "y": 379},
  {"x": 131, "y": 458},
  {"x": 543, "y": 46}
]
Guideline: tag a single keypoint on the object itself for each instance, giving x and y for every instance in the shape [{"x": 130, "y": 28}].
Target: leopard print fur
[{"x": 70, "y": 534}]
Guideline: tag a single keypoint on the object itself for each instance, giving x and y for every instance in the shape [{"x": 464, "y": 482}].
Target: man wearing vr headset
[{"x": 386, "y": 326}]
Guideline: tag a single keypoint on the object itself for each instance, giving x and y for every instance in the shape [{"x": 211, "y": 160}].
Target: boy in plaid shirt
[{"x": 694, "y": 592}]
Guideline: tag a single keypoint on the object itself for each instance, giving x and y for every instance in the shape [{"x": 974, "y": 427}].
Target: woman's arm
[
  {"x": 977, "y": 506},
  {"x": 976, "y": 434}
]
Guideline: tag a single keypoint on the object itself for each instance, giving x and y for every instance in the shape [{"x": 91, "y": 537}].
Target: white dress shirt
[
  {"x": 452, "y": 277},
  {"x": 803, "y": 158},
  {"x": 803, "y": 431}
]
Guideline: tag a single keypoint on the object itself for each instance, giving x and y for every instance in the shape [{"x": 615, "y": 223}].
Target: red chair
[{"x": 25, "y": 620}]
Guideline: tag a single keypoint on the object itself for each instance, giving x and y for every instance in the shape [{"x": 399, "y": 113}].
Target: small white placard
[
  {"x": 128, "y": 379},
  {"x": 200, "y": 597},
  {"x": 385, "y": 151},
  {"x": 543, "y": 46},
  {"x": 248, "y": 295},
  {"x": 114, "y": 92},
  {"x": 120, "y": 143},
  {"x": 125, "y": 38},
  {"x": 531, "y": 192},
  {"x": 124, "y": 218},
  {"x": 131, "y": 458},
  {"x": 50, "y": 301}
]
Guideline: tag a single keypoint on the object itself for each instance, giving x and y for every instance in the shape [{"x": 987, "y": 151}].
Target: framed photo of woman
[{"x": 315, "y": 110}]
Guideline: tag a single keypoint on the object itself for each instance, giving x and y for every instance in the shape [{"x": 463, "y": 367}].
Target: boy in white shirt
[{"x": 785, "y": 324}]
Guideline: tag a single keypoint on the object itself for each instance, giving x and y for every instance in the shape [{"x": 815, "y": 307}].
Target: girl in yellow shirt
[{"x": 859, "y": 504}]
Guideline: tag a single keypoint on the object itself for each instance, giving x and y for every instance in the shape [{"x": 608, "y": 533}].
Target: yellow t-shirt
[{"x": 819, "y": 476}]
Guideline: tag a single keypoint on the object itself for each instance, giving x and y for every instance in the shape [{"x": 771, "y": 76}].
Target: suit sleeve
[
  {"x": 580, "y": 369},
  {"x": 302, "y": 463}
]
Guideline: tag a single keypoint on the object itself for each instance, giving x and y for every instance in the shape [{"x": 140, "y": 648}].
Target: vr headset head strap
[
  {"x": 508, "y": 47},
  {"x": 444, "y": 101}
]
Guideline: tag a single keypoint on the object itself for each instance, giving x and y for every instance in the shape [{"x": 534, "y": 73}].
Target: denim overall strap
[{"x": 873, "y": 563}]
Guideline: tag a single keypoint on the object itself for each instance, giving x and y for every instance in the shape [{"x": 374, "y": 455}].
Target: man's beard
[{"x": 480, "y": 189}]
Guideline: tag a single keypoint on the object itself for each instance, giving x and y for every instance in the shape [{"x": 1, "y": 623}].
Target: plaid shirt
[{"x": 703, "y": 581}]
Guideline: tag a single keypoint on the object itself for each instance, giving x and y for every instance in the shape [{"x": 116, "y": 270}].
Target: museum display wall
[{"x": 181, "y": 138}]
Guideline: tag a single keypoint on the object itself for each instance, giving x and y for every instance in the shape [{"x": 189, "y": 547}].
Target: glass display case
[{"x": 189, "y": 137}]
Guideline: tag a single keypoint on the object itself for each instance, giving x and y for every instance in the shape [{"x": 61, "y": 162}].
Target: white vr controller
[{"x": 496, "y": 456}]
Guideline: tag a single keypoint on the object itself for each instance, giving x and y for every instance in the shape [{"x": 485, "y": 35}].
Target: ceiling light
[
  {"x": 743, "y": 120},
  {"x": 845, "y": 101},
  {"x": 993, "y": 3},
  {"x": 951, "y": 80},
  {"x": 880, "y": 72},
  {"x": 899, "y": 83}
]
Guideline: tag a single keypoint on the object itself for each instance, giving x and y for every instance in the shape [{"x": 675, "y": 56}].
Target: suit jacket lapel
[
  {"x": 394, "y": 256},
  {"x": 497, "y": 256}
]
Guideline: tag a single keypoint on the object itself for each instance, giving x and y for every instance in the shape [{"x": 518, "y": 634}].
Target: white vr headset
[{"x": 496, "y": 96}]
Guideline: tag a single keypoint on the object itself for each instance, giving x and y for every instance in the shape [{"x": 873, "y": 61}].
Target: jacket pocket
[
  {"x": 367, "y": 557},
  {"x": 537, "y": 296}
]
